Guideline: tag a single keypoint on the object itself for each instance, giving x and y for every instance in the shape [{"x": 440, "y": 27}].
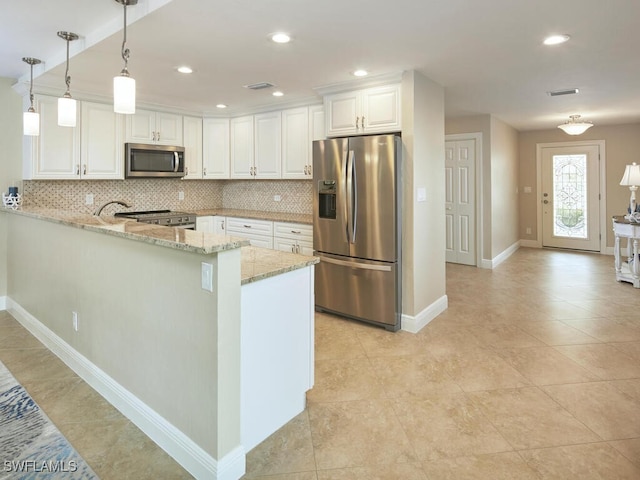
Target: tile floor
[{"x": 532, "y": 373}]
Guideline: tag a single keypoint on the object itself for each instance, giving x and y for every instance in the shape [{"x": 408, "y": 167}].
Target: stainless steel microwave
[{"x": 146, "y": 161}]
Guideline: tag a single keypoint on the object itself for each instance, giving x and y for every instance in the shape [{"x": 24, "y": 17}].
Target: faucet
[{"x": 101, "y": 207}]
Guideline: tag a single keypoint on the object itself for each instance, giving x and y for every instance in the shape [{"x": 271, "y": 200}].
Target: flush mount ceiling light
[
  {"x": 30, "y": 118},
  {"x": 124, "y": 87},
  {"x": 277, "y": 93},
  {"x": 221, "y": 105},
  {"x": 556, "y": 39},
  {"x": 575, "y": 126},
  {"x": 67, "y": 105},
  {"x": 360, "y": 73},
  {"x": 280, "y": 37},
  {"x": 185, "y": 69}
]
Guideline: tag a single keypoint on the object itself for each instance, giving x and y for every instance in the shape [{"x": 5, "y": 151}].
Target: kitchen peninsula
[{"x": 205, "y": 343}]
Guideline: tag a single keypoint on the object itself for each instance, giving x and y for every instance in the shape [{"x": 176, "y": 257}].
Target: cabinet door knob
[
  {"x": 357, "y": 120},
  {"x": 362, "y": 123},
  {"x": 204, "y": 171},
  {"x": 77, "y": 169},
  {"x": 84, "y": 169}
]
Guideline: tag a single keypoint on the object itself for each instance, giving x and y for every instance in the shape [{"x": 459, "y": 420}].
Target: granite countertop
[
  {"x": 260, "y": 263},
  {"x": 171, "y": 237},
  {"x": 256, "y": 263},
  {"x": 256, "y": 215}
]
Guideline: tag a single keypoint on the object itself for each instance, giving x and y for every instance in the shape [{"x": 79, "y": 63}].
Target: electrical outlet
[
  {"x": 277, "y": 198},
  {"x": 88, "y": 199},
  {"x": 180, "y": 195},
  {"x": 74, "y": 320},
  {"x": 207, "y": 277},
  {"x": 528, "y": 230}
]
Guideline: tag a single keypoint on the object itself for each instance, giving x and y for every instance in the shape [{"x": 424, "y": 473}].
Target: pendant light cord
[
  {"x": 125, "y": 50},
  {"x": 67, "y": 77},
  {"x": 31, "y": 98}
]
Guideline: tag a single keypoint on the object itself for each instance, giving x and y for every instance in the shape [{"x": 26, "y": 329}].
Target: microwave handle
[{"x": 176, "y": 161}]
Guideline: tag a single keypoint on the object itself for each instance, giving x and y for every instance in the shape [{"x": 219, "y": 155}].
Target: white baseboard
[
  {"x": 184, "y": 450},
  {"x": 413, "y": 324},
  {"x": 497, "y": 260},
  {"x": 3, "y": 303}
]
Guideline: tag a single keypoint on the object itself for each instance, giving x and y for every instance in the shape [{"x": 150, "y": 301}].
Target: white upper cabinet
[
  {"x": 268, "y": 145},
  {"x": 215, "y": 137},
  {"x": 256, "y": 146},
  {"x": 295, "y": 143},
  {"x": 146, "y": 126},
  {"x": 101, "y": 142},
  {"x": 300, "y": 126},
  {"x": 192, "y": 136},
  {"x": 242, "y": 147},
  {"x": 372, "y": 110}
]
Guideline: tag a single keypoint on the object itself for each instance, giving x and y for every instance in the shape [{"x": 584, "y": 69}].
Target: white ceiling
[{"x": 487, "y": 54}]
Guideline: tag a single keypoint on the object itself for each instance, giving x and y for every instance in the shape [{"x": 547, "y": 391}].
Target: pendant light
[
  {"x": 67, "y": 105},
  {"x": 30, "y": 118},
  {"x": 124, "y": 87},
  {"x": 575, "y": 126}
]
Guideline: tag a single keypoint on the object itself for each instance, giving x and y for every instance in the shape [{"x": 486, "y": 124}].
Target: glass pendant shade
[
  {"x": 31, "y": 118},
  {"x": 66, "y": 112},
  {"x": 575, "y": 126},
  {"x": 124, "y": 94},
  {"x": 31, "y": 123}
]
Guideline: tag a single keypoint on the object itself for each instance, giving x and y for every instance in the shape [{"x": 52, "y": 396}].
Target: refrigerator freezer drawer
[{"x": 361, "y": 289}]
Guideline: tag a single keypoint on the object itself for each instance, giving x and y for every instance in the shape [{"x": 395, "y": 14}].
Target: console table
[{"x": 629, "y": 270}]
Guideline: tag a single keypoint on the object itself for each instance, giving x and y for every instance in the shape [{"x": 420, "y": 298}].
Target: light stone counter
[
  {"x": 257, "y": 263},
  {"x": 260, "y": 263},
  {"x": 257, "y": 215}
]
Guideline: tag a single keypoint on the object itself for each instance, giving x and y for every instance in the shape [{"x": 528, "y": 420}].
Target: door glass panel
[{"x": 570, "y": 196}]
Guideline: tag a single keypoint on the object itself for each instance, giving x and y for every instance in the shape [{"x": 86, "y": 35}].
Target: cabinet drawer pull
[
  {"x": 247, "y": 226},
  {"x": 297, "y": 232}
]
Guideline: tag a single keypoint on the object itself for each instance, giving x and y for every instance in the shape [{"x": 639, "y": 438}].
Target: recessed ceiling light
[
  {"x": 221, "y": 105},
  {"x": 556, "y": 39},
  {"x": 360, "y": 73},
  {"x": 280, "y": 37},
  {"x": 185, "y": 69},
  {"x": 277, "y": 93}
]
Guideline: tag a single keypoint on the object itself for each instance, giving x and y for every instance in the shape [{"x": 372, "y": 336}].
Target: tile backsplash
[{"x": 151, "y": 194}]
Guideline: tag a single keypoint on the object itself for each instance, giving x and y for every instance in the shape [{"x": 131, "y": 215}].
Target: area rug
[{"x": 31, "y": 447}]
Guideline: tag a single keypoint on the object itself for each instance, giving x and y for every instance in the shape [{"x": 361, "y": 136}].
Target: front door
[{"x": 570, "y": 197}]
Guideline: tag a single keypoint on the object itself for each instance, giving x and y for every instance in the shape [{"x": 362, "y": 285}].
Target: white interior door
[
  {"x": 571, "y": 197},
  {"x": 460, "y": 207}
]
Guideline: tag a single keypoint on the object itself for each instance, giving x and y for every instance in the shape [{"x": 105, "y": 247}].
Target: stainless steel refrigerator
[{"x": 357, "y": 228}]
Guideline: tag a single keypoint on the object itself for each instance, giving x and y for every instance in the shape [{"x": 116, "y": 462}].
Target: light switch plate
[
  {"x": 207, "y": 277},
  {"x": 422, "y": 194}
]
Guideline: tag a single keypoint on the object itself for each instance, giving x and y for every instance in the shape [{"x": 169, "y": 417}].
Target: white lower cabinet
[
  {"x": 283, "y": 236},
  {"x": 293, "y": 237},
  {"x": 258, "y": 232},
  {"x": 211, "y": 224}
]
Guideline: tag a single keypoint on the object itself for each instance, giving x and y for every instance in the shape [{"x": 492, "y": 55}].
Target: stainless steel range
[{"x": 166, "y": 218}]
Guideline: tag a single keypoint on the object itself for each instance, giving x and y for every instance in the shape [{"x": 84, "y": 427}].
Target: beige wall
[
  {"x": 622, "y": 146},
  {"x": 423, "y": 166},
  {"x": 499, "y": 180},
  {"x": 10, "y": 158},
  {"x": 143, "y": 319},
  {"x": 504, "y": 187}
]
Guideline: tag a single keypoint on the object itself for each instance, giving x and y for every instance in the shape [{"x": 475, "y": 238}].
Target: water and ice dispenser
[{"x": 327, "y": 199}]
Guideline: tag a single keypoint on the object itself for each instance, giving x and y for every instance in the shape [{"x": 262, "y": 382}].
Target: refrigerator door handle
[
  {"x": 350, "y": 196},
  {"x": 363, "y": 266}
]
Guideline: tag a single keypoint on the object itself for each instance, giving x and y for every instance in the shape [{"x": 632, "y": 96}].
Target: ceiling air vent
[
  {"x": 259, "y": 86},
  {"x": 569, "y": 91}
]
